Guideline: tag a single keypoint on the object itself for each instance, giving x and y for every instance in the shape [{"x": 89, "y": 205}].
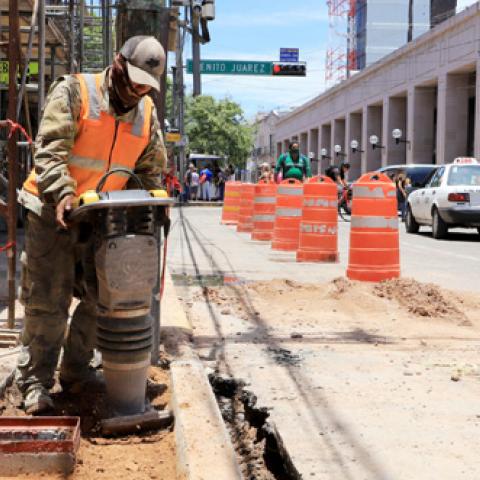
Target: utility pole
[
  {"x": 180, "y": 97},
  {"x": 196, "y": 12}
]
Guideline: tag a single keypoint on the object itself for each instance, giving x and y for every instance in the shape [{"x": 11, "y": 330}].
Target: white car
[{"x": 450, "y": 199}]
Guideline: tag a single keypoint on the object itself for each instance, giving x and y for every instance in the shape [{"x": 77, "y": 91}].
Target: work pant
[{"x": 54, "y": 265}]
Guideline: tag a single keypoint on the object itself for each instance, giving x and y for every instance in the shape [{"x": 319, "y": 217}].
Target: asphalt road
[
  {"x": 452, "y": 263},
  {"x": 351, "y": 405}
]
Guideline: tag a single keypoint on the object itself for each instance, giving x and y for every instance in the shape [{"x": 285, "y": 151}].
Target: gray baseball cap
[{"x": 145, "y": 60}]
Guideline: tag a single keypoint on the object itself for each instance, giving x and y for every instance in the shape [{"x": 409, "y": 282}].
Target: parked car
[
  {"x": 418, "y": 173},
  {"x": 450, "y": 199}
]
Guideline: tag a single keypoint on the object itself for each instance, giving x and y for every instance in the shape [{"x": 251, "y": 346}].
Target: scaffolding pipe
[
  {"x": 13, "y": 55},
  {"x": 81, "y": 6},
  {"x": 26, "y": 62},
  {"x": 41, "y": 57},
  {"x": 71, "y": 17}
]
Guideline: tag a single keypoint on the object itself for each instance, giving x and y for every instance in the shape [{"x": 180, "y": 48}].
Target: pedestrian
[
  {"x": 401, "y": 183},
  {"x": 266, "y": 174},
  {"x": 195, "y": 182},
  {"x": 231, "y": 173},
  {"x": 188, "y": 182},
  {"x": 205, "y": 182},
  {"x": 90, "y": 123},
  {"x": 293, "y": 164},
  {"x": 221, "y": 184}
]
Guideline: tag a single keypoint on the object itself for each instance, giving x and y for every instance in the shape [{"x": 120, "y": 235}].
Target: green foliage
[{"x": 218, "y": 127}]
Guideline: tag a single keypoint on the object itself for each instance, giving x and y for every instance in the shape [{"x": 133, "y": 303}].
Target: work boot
[
  {"x": 93, "y": 381},
  {"x": 37, "y": 400}
]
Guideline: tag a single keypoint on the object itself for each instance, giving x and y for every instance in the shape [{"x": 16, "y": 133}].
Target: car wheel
[
  {"x": 411, "y": 225},
  {"x": 439, "y": 227}
]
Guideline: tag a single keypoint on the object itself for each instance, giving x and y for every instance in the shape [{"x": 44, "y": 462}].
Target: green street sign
[{"x": 232, "y": 67}]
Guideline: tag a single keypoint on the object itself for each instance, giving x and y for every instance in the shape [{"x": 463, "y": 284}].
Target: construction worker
[
  {"x": 90, "y": 125},
  {"x": 293, "y": 164}
]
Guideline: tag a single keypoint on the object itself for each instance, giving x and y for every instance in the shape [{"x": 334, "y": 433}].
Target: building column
[
  {"x": 279, "y": 149},
  {"x": 477, "y": 113},
  {"x": 354, "y": 132},
  {"x": 395, "y": 116},
  {"x": 304, "y": 143},
  {"x": 326, "y": 142},
  {"x": 452, "y": 123},
  {"x": 338, "y": 138},
  {"x": 313, "y": 148},
  {"x": 364, "y": 143},
  {"x": 421, "y": 124},
  {"x": 373, "y": 117}
]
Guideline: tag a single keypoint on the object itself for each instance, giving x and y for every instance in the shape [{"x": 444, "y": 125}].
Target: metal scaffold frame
[
  {"x": 79, "y": 36},
  {"x": 341, "y": 56}
]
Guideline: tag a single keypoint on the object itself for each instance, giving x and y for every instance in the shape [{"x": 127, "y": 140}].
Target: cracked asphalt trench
[{"x": 362, "y": 381}]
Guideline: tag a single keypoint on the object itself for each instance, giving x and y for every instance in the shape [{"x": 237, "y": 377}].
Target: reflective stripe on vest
[
  {"x": 374, "y": 222},
  {"x": 289, "y": 212},
  {"x": 93, "y": 97},
  {"x": 290, "y": 191}
]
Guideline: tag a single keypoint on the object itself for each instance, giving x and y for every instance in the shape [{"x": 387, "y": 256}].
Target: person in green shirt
[{"x": 293, "y": 165}]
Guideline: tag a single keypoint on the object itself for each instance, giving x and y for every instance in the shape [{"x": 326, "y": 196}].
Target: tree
[{"x": 218, "y": 127}]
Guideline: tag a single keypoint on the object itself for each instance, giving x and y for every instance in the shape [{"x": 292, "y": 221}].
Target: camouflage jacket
[{"x": 56, "y": 137}]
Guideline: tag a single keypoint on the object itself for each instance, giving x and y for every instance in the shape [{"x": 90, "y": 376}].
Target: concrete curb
[{"x": 204, "y": 449}]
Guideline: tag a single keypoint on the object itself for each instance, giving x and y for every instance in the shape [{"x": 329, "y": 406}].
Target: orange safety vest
[{"x": 103, "y": 143}]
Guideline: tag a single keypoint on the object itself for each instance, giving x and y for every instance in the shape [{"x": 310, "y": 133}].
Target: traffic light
[{"x": 290, "y": 69}]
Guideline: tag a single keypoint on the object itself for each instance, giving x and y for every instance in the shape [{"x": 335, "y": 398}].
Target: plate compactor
[{"x": 126, "y": 227}]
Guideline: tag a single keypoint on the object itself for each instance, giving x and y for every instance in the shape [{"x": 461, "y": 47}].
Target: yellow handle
[{"x": 159, "y": 193}]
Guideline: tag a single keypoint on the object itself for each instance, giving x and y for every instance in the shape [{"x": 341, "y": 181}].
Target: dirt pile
[
  {"x": 147, "y": 455},
  {"x": 421, "y": 299}
]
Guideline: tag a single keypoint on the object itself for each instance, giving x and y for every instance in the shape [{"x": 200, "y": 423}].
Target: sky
[{"x": 256, "y": 30}]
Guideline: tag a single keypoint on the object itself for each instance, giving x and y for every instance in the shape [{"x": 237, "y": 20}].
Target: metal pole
[
  {"x": 106, "y": 60},
  {"x": 81, "y": 6},
  {"x": 197, "y": 82},
  {"x": 13, "y": 53},
  {"x": 71, "y": 13},
  {"x": 41, "y": 57},
  {"x": 52, "y": 63},
  {"x": 31, "y": 33},
  {"x": 180, "y": 100},
  {"x": 108, "y": 34}
]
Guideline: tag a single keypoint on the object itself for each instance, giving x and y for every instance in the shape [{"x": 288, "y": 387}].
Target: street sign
[
  {"x": 289, "y": 54},
  {"x": 232, "y": 67},
  {"x": 173, "y": 137}
]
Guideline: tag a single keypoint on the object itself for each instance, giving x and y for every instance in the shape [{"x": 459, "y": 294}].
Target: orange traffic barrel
[
  {"x": 264, "y": 203},
  {"x": 245, "y": 213},
  {"x": 374, "y": 238},
  {"x": 319, "y": 226},
  {"x": 231, "y": 203},
  {"x": 288, "y": 214}
]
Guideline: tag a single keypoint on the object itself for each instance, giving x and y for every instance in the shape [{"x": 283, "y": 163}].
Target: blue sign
[{"x": 289, "y": 54}]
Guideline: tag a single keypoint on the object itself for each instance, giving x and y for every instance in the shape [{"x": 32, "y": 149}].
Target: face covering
[
  {"x": 122, "y": 95},
  {"x": 295, "y": 151}
]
